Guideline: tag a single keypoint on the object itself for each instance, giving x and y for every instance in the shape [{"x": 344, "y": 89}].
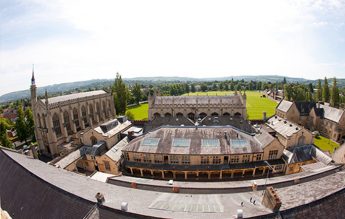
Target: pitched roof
[
  {"x": 191, "y": 140},
  {"x": 284, "y": 105},
  {"x": 282, "y": 126},
  {"x": 63, "y": 98},
  {"x": 115, "y": 152},
  {"x": 112, "y": 127},
  {"x": 332, "y": 113},
  {"x": 304, "y": 107},
  {"x": 70, "y": 158},
  {"x": 304, "y": 153}
]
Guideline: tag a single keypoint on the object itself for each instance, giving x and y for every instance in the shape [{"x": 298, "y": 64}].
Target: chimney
[
  {"x": 100, "y": 198},
  {"x": 271, "y": 199}
]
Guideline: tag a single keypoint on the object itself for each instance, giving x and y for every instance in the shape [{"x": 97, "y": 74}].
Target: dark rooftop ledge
[
  {"x": 298, "y": 198},
  {"x": 223, "y": 186}
]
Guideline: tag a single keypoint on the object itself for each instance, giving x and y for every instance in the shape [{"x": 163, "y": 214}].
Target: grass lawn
[
  {"x": 256, "y": 105},
  {"x": 140, "y": 112},
  {"x": 325, "y": 144}
]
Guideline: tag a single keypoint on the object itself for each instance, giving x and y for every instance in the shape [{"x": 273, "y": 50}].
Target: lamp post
[{"x": 270, "y": 168}]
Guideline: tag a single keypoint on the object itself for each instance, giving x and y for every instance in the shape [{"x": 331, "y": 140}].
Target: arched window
[
  {"x": 214, "y": 114},
  {"x": 156, "y": 115},
  {"x": 76, "y": 118},
  {"x": 202, "y": 115},
  {"x": 56, "y": 125},
  {"x": 237, "y": 114},
  {"x": 93, "y": 140},
  {"x": 109, "y": 108},
  {"x": 67, "y": 122},
  {"x": 179, "y": 115},
  {"x": 105, "y": 109},
  {"x": 98, "y": 111},
  {"x": 168, "y": 115},
  {"x": 93, "y": 118},
  {"x": 226, "y": 114},
  {"x": 39, "y": 120},
  {"x": 191, "y": 116},
  {"x": 84, "y": 115}
]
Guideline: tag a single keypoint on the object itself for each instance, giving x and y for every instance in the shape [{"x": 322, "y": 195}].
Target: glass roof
[
  {"x": 238, "y": 143},
  {"x": 181, "y": 142},
  {"x": 150, "y": 142},
  {"x": 211, "y": 142}
]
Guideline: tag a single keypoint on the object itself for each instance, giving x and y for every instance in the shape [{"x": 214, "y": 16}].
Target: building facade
[
  {"x": 194, "y": 107},
  {"x": 60, "y": 120},
  {"x": 203, "y": 152},
  {"x": 329, "y": 121}
]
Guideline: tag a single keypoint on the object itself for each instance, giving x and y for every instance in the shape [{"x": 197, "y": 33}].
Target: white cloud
[{"x": 182, "y": 38}]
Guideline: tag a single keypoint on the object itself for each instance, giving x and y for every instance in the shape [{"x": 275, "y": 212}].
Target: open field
[
  {"x": 140, "y": 112},
  {"x": 256, "y": 105},
  {"x": 325, "y": 144}
]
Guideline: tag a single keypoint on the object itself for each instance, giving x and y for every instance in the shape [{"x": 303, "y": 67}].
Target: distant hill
[{"x": 101, "y": 83}]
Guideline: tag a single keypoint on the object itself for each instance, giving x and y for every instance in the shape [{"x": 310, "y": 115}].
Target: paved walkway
[{"x": 339, "y": 154}]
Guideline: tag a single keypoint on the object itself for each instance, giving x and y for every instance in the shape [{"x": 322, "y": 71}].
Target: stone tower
[{"x": 33, "y": 89}]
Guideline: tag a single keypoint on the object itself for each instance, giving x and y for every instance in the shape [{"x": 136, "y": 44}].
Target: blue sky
[{"x": 80, "y": 40}]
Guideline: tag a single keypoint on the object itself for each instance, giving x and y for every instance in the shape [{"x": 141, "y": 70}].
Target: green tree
[
  {"x": 318, "y": 96},
  {"x": 130, "y": 115},
  {"x": 20, "y": 125},
  {"x": 136, "y": 92},
  {"x": 203, "y": 87},
  {"x": 29, "y": 123},
  {"x": 288, "y": 91},
  {"x": 186, "y": 88},
  {"x": 325, "y": 91},
  {"x": 193, "y": 88},
  {"x": 335, "y": 94},
  {"x": 120, "y": 95},
  {"x": 4, "y": 141}
]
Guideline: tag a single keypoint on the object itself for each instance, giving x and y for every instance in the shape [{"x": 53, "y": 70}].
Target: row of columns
[{"x": 197, "y": 173}]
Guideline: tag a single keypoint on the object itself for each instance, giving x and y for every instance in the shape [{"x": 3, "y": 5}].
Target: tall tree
[
  {"x": 325, "y": 91},
  {"x": 193, "y": 88},
  {"x": 186, "y": 88},
  {"x": 137, "y": 94},
  {"x": 120, "y": 95},
  {"x": 319, "y": 91},
  {"x": 29, "y": 123},
  {"x": 335, "y": 94},
  {"x": 4, "y": 141},
  {"x": 20, "y": 125}
]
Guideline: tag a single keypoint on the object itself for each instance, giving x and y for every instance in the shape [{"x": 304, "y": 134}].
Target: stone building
[
  {"x": 194, "y": 107},
  {"x": 329, "y": 121},
  {"x": 60, "y": 120},
  {"x": 288, "y": 133},
  {"x": 203, "y": 152}
]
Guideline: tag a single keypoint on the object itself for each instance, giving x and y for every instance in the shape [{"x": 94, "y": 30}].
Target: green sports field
[
  {"x": 325, "y": 144},
  {"x": 256, "y": 105}
]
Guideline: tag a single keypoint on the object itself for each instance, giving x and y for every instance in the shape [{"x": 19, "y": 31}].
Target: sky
[{"x": 80, "y": 40}]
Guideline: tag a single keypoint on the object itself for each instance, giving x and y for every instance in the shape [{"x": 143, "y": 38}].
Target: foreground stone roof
[{"x": 32, "y": 189}]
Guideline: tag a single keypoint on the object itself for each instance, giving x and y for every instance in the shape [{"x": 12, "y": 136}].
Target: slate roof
[
  {"x": 305, "y": 153},
  {"x": 113, "y": 127},
  {"x": 97, "y": 149},
  {"x": 282, "y": 126},
  {"x": 305, "y": 107},
  {"x": 24, "y": 195},
  {"x": 70, "y": 158},
  {"x": 116, "y": 151},
  {"x": 63, "y": 98},
  {"x": 203, "y": 140},
  {"x": 284, "y": 105},
  {"x": 332, "y": 113}
]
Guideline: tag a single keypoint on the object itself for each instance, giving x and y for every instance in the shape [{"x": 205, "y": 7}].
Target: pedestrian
[
  {"x": 254, "y": 202},
  {"x": 242, "y": 204},
  {"x": 251, "y": 199}
]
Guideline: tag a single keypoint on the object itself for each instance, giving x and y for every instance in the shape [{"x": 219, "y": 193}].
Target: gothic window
[
  {"x": 98, "y": 111},
  {"x": 56, "y": 125},
  {"x": 39, "y": 120},
  {"x": 67, "y": 122},
  {"x": 105, "y": 109},
  {"x": 84, "y": 115},
  {"x": 92, "y": 116},
  {"x": 93, "y": 140},
  {"x": 76, "y": 118}
]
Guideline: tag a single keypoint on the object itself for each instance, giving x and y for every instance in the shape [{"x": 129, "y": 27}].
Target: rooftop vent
[
  {"x": 285, "y": 122},
  {"x": 124, "y": 206},
  {"x": 239, "y": 213},
  {"x": 296, "y": 128},
  {"x": 290, "y": 125},
  {"x": 100, "y": 198}
]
